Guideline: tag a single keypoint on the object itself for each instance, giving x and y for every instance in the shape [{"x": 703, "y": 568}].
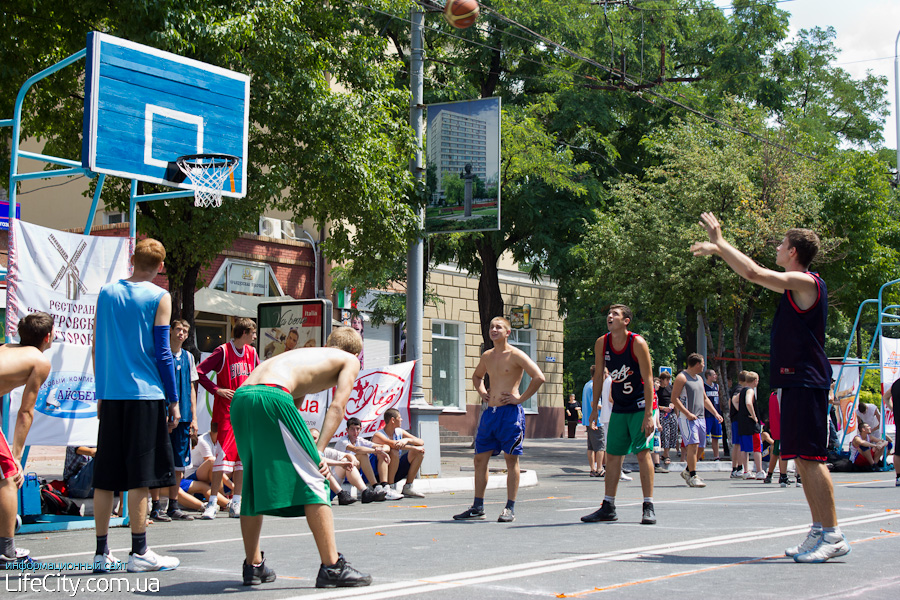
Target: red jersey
[{"x": 232, "y": 368}]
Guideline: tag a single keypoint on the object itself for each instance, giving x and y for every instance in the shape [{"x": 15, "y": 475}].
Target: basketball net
[{"x": 208, "y": 174}]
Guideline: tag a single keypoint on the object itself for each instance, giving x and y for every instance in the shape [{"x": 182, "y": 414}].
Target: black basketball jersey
[
  {"x": 797, "y": 351},
  {"x": 627, "y": 383}
]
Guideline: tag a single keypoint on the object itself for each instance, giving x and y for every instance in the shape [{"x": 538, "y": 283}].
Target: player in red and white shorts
[
  {"x": 21, "y": 364},
  {"x": 232, "y": 362}
]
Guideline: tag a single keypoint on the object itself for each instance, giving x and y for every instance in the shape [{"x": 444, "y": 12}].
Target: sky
[{"x": 866, "y": 32}]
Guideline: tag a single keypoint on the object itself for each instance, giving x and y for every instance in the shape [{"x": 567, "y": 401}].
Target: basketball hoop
[{"x": 208, "y": 172}]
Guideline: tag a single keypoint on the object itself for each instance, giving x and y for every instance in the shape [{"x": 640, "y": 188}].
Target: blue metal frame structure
[
  {"x": 888, "y": 316},
  {"x": 70, "y": 167}
]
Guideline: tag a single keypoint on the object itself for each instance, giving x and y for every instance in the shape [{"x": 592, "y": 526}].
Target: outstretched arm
[{"x": 745, "y": 266}]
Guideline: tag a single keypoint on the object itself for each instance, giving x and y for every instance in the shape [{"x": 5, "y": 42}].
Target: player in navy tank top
[
  {"x": 631, "y": 426},
  {"x": 800, "y": 368}
]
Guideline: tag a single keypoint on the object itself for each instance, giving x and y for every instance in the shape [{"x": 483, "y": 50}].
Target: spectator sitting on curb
[
  {"x": 345, "y": 466},
  {"x": 406, "y": 454},
  {"x": 78, "y": 472},
  {"x": 866, "y": 449},
  {"x": 362, "y": 448}
]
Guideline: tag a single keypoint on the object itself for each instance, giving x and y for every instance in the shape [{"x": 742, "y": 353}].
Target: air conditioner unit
[
  {"x": 270, "y": 227},
  {"x": 291, "y": 230}
]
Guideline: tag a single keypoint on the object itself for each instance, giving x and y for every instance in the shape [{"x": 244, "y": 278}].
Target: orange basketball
[{"x": 461, "y": 13}]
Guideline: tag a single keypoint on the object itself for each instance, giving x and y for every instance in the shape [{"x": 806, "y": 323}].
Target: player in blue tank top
[{"x": 800, "y": 367}]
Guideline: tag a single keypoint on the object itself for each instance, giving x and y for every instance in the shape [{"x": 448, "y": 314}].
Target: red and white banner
[
  {"x": 376, "y": 390},
  {"x": 890, "y": 372},
  {"x": 61, "y": 274}
]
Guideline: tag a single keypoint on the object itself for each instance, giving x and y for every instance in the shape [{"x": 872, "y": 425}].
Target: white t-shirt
[
  {"x": 334, "y": 454},
  {"x": 341, "y": 444},
  {"x": 870, "y": 417},
  {"x": 606, "y": 401},
  {"x": 204, "y": 448}
]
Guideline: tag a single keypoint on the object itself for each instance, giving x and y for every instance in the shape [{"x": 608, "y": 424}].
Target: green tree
[{"x": 351, "y": 178}]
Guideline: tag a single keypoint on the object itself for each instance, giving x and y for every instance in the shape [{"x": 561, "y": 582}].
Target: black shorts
[
  {"x": 133, "y": 447},
  {"x": 804, "y": 424}
]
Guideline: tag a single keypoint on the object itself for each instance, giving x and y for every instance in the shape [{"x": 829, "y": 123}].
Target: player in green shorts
[
  {"x": 627, "y": 357},
  {"x": 275, "y": 445}
]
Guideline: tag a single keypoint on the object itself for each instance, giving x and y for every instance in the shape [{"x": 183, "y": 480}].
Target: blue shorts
[
  {"x": 181, "y": 445},
  {"x": 751, "y": 443},
  {"x": 501, "y": 429},
  {"x": 735, "y": 434},
  {"x": 402, "y": 468},
  {"x": 187, "y": 481},
  {"x": 713, "y": 427}
]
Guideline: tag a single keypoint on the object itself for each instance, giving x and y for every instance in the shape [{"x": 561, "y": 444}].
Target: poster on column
[
  {"x": 61, "y": 274},
  {"x": 845, "y": 391},
  {"x": 890, "y": 372},
  {"x": 375, "y": 391}
]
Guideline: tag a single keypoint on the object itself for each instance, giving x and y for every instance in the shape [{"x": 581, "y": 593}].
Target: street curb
[{"x": 438, "y": 485}]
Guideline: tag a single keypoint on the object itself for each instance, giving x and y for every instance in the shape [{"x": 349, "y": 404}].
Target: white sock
[{"x": 648, "y": 499}]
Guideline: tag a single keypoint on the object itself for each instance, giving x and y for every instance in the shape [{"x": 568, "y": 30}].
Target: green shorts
[
  {"x": 624, "y": 435},
  {"x": 281, "y": 461}
]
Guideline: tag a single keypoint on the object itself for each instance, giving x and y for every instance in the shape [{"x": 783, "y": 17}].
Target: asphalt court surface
[{"x": 728, "y": 537}]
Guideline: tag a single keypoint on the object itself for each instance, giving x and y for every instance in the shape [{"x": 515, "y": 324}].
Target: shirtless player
[
  {"x": 276, "y": 445},
  {"x": 502, "y": 426},
  {"x": 20, "y": 364}
]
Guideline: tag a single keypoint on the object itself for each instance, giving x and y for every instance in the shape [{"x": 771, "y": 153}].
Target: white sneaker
[
  {"x": 391, "y": 494},
  {"x": 624, "y": 477},
  {"x": 409, "y": 492},
  {"x": 696, "y": 482},
  {"x": 749, "y": 474},
  {"x": 761, "y": 475},
  {"x": 210, "y": 511},
  {"x": 106, "y": 563},
  {"x": 234, "y": 509},
  {"x": 811, "y": 541},
  {"x": 151, "y": 561},
  {"x": 825, "y": 549}
]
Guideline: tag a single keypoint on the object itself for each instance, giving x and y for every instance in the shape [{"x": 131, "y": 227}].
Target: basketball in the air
[{"x": 461, "y": 13}]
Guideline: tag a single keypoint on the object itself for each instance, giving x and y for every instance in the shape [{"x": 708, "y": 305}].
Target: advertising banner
[
  {"x": 61, "y": 274},
  {"x": 846, "y": 392},
  {"x": 376, "y": 390},
  {"x": 295, "y": 324},
  {"x": 890, "y": 372},
  {"x": 463, "y": 166}
]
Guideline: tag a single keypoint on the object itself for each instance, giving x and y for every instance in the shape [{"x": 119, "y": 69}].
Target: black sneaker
[
  {"x": 606, "y": 512},
  {"x": 798, "y": 483},
  {"x": 783, "y": 480},
  {"x": 768, "y": 478},
  {"x": 176, "y": 514},
  {"x": 368, "y": 495},
  {"x": 649, "y": 515},
  {"x": 257, "y": 574},
  {"x": 159, "y": 516},
  {"x": 344, "y": 498},
  {"x": 341, "y": 574},
  {"x": 471, "y": 514}
]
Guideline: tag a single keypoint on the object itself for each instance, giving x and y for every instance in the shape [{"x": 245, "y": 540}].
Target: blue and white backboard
[{"x": 144, "y": 108}]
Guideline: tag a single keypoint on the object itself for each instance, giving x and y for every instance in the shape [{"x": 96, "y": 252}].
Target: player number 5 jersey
[{"x": 627, "y": 383}]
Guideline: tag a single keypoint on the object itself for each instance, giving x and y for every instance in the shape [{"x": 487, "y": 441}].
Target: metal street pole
[
  {"x": 897, "y": 101},
  {"x": 424, "y": 415}
]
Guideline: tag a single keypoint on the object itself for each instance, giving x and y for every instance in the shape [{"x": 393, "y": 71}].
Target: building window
[
  {"x": 112, "y": 218},
  {"x": 447, "y": 385},
  {"x": 523, "y": 339}
]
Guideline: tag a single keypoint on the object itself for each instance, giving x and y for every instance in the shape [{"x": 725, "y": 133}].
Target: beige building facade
[{"x": 452, "y": 346}]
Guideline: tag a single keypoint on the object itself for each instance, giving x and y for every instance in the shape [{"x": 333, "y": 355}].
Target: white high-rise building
[{"x": 455, "y": 140}]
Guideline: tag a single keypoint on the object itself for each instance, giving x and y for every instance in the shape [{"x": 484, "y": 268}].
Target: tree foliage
[{"x": 337, "y": 155}]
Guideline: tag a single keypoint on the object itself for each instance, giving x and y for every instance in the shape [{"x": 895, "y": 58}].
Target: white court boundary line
[{"x": 467, "y": 578}]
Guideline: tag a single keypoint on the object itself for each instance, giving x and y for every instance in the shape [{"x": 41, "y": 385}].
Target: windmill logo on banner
[{"x": 74, "y": 286}]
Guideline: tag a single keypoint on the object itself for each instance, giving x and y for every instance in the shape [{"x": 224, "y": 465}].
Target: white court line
[
  {"x": 701, "y": 499},
  {"x": 468, "y": 578},
  {"x": 195, "y": 544}
]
